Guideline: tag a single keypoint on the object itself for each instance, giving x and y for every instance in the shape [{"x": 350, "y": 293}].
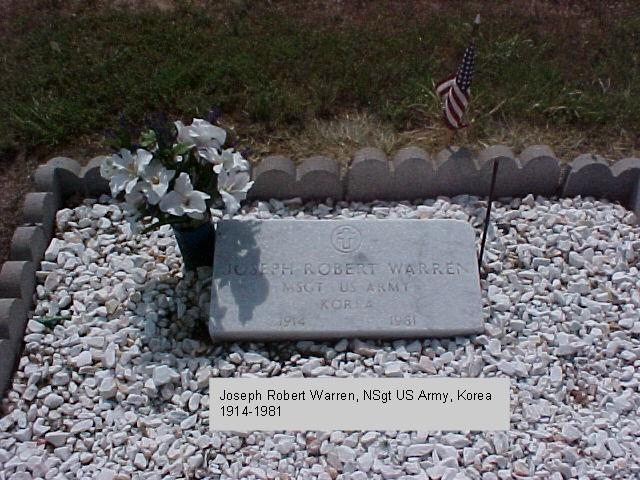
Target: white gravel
[{"x": 119, "y": 390}]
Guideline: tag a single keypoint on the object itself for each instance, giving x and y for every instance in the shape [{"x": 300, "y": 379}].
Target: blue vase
[{"x": 196, "y": 245}]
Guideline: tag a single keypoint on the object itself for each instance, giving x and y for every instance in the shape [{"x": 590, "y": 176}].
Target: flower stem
[{"x": 160, "y": 223}]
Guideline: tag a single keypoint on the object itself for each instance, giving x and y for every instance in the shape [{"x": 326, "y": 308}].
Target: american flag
[{"x": 454, "y": 91}]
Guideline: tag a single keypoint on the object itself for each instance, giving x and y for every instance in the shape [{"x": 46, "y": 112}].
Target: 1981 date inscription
[{"x": 403, "y": 320}]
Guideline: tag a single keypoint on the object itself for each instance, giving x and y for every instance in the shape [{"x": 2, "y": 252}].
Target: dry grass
[{"x": 342, "y": 136}]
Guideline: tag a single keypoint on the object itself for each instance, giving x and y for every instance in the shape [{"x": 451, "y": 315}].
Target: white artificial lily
[
  {"x": 157, "y": 179},
  {"x": 209, "y": 155},
  {"x": 128, "y": 169},
  {"x": 233, "y": 187},
  {"x": 201, "y": 134},
  {"x": 107, "y": 167},
  {"x": 184, "y": 200},
  {"x": 134, "y": 200},
  {"x": 216, "y": 213},
  {"x": 136, "y": 197},
  {"x": 227, "y": 159}
]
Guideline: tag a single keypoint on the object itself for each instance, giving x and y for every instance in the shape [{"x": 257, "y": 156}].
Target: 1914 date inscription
[{"x": 313, "y": 279}]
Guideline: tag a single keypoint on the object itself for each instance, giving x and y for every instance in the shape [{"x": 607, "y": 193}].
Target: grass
[{"x": 306, "y": 75}]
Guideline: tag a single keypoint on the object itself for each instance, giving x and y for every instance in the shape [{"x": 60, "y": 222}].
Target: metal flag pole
[
  {"x": 451, "y": 132},
  {"x": 454, "y": 94},
  {"x": 494, "y": 174}
]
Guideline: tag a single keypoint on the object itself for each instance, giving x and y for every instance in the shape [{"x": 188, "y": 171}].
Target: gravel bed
[{"x": 118, "y": 388}]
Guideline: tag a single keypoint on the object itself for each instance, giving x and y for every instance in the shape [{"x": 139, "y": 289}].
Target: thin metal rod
[
  {"x": 476, "y": 27},
  {"x": 496, "y": 162}
]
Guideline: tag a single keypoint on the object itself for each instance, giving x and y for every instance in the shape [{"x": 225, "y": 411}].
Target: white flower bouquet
[{"x": 177, "y": 173}]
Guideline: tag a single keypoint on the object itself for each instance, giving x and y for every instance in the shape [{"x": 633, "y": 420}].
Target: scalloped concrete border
[
  {"x": 55, "y": 181},
  {"x": 410, "y": 174}
]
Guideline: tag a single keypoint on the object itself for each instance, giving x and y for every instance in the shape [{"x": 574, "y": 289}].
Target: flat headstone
[{"x": 315, "y": 279}]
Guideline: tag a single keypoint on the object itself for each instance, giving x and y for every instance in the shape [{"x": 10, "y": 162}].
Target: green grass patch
[{"x": 69, "y": 74}]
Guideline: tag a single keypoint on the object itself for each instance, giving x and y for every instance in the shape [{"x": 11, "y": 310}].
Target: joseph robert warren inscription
[{"x": 315, "y": 279}]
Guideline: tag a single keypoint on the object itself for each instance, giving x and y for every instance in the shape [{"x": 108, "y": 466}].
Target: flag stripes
[{"x": 454, "y": 92}]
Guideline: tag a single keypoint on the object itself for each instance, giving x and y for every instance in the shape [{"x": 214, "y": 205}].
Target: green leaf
[
  {"x": 181, "y": 148},
  {"x": 171, "y": 221},
  {"x": 52, "y": 321},
  {"x": 148, "y": 138}
]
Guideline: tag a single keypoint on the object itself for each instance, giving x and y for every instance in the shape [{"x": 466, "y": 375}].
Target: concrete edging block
[
  {"x": 541, "y": 171},
  {"x": 457, "y": 173},
  {"x": 634, "y": 200},
  {"x": 508, "y": 170},
  {"x": 60, "y": 176},
  {"x": 319, "y": 177},
  {"x": 369, "y": 176},
  {"x": 414, "y": 174},
  {"x": 584, "y": 170},
  {"x": 40, "y": 209},
  {"x": 93, "y": 183},
  {"x": 501, "y": 152},
  {"x": 13, "y": 319},
  {"x": 626, "y": 173},
  {"x": 18, "y": 280},
  {"x": 593, "y": 175},
  {"x": 28, "y": 243},
  {"x": 274, "y": 177},
  {"x": 8, "y": 359}
]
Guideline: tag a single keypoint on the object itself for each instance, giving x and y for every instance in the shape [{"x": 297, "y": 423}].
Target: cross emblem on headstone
[{"x": 346, "y": 238}]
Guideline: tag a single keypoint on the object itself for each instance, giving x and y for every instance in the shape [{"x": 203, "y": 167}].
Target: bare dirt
[
  {"x": 15, "y": 181},
  {"x": 16, "y": 172}
]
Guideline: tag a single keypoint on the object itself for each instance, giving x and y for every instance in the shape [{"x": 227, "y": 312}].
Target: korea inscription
[{"x": 316, "y": 279}]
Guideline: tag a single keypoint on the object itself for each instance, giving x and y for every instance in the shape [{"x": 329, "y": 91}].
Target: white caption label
[{"x": 436, "y": 403}]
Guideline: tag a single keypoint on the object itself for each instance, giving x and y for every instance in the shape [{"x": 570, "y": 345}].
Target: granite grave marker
[{"x": 315, "y": 279}]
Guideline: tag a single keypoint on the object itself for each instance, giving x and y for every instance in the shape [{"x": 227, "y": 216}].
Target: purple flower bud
[
  {"x": 213, "y": 115},
  {"x": 246, "y": 152}
]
